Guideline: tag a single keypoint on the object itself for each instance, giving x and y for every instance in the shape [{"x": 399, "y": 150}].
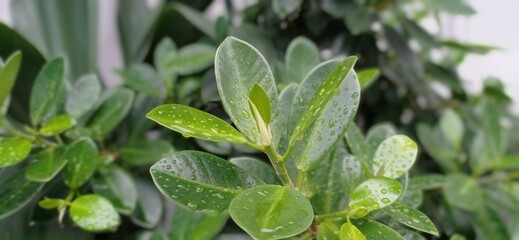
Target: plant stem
[
  {"x": 7, "y": 126},
  {"x": 342, "y": 214},
  {"x": 279, "y": 165}
]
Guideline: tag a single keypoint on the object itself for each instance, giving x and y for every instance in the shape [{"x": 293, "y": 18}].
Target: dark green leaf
[
  {"x": 357, "y": 145},
  {"x": 451, "y": 6},
  {"x": 16, "y": 191},
  {"x": 488, "y": 225},
  {"x": 13, "y": 151},
  {"x": 257, "y": 168},
  {"x": 350, "y": 232},
  {"x": 83, "y": 96},
  {"x": 199, "y": 180},
  {"x": 46, "y": 164},
  {"x": 427, "y": 182},
  {"x": 373, "y": 194},
  {"x": 8, "y": 74},
  {"x": 359, "y": 19},
  {"x": 94, "y": 213},
  {"x": 143, "y": 78},
  {"x": 412, "y": 218},
  {"x": 57, "y": 125},
  {"x": 399, "y": 44},
  {"x": 438, "y": 147},
  {"x": 81, "y": 157},
  {"x": 150, "y": 207},
  {"x": 191, "y": 59},
  {"x": 463, "y": 192},
  {"x": 111, "y": 112},
  {"x": 116, "y": 185},
  {"x": 301, "y": 57},
  {"x": 367, "y": 77},
  {"x": 469, "y": 47},
  {"x": 425, "y": 38},
  {"x": 283, "y": 8},
  {"x": 271, "y": 212},
  {"x": 44, "y": 95},
  {"x": 197, "y": 19},
  {"x": 285, "y": 102},
  {"x": 165, "y": 48},
  {"x": 143, "y": 152},
  {"x": 192, "y": 122},
  {"x": 375, "y": 230},
  {"x": 194, "y": 225},
  {"x": 394, "y": 156}
]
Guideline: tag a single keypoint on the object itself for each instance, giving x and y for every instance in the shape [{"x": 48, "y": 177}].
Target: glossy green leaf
[
  {"x": 367, "y": 77},
  {"x": 81, "y": 157},
  {"x": 283, "y": 8},
  {"x": 285, "y": 102},
  {"x": 192, "y": 122},
  {"x": 8, "y": 74},
  {"x": 150, "y": 205},
  {"x": 111, "y": 112},
  {"x": 94, "y": 213},
  {"x": 411, "y": 218},
  {"x": 375, "y": 230},
  {"x": 16, "y": 191},
  {"x": 394, "y": 156},
  {"x": 116, "y": 185},
  {"x": 261, "y": 101},
  {"x": 13, "y": 151},
  {"x": 46, "y": 164},
  {"x": 238, "y": 66},
  {"x": 350, "y": 232},
  {"x": 376, "y": 135},
  {"x": 83, "y": 96},
  {"x": 463, "y": 192},
  {"x": 57, "y": 125},
  {"x": 271, "y": 212},
  {"x": 200, "y": 180},
  {"x": 143, "y": 78},
  {"x": 143, "y": 152},
  {"x": 191, "y": 59},
  {"x": 195, "y": 225},
  {"x": 301, "y": 57},
  {"x": 452, "y": 127},
  {"x": 257, "y": 168},
  {"x": 329, "y": 123},
  {"x": 328, "y": 231},
  {"x": 373, "y": 194},
  {"x": 49, "y": 80}
]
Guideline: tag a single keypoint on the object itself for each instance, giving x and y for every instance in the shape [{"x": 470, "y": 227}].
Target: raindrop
[
  {"x": 355, "y": 95},
  {"x": 245, "y": 114}
]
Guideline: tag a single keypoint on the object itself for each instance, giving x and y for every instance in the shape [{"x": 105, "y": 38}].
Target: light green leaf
[
  {"x": 143, "y": 152},
  {"x": 350, "y": 232},
  {"x": 57, "y": 125},
  {"x": 13, "y": 151},
  {"x": 463, "y": 192},
  {"x": 116, "y": 185},
  {"x": 8, "y": 74},
  {"x": 283, "y": 8},
  {"x": 192, "y": 122},
  {"x": 195, "y": 225},
  {"x": 44, "y": 95},
  {"x": 271, "y": 212},
  {"x": 412, "y": 218},
  {"x": 197, "y": 19},
  {"x": 50, "y": 203},
  {"x": 327, "y": 231},
  {"x": 238, "y": 66},
  {"x": 200, "y": 180},
  {"x": 150, "y": 206},
  {"x": 367, "y": 77},
  {"x": 191, "y": 59},
  {"x": 374, "y": 230},
  {"x": 81, "y": 157},
  {"x": 452, "y": 127},
  {"x": 94, "y": 213},
  {"x": 142, "y": 78},
  {"x": 261, "y": 101},
  {"x": 83, "y": 96},
  {"x": 323, "y": 94},
  {"x": 111, "y": 112},
  {"x": 373, "y": 194},
  {"x": 376, "y": 135},
  {"x": 257, "y": 168},
  {"x": 395, "y": 156},
  {"x": 16, "y": 191},
  {"x": 46, "y": 164},
  {"x": 469, "y": 47},
  {"x": 301, "y": 57}
]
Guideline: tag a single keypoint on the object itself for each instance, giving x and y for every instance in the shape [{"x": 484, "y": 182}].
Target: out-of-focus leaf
[
  {"x": 469, "y": 47},
  {"x": 463, "y": 192},
  {"x": 195, "y": 225},
  {"x": 13, "y": 151},
  {"x": 8, "y": 74},
  {"x": 301, "y": 57},
  {"x": 402, "y": 49},
  {"x": 143, "y": 152},
  {"x": 49, "y": 80},
  {"x": 116, "y": 185},
  {"x": 81, "y": 158},
  {"x": 375, "y": 230},
  {"x": 197, "y": 19},
  {"x": 83, "y": 96},
  {"x": 426, "y": 182},
  {"x": 143, "y": 78},
  {"x": 150, "y": 206},
  {"x": 451, "y": 6},
  {"x": 419, "y": 33},
  {"x": 357, "y": 145},
  {"x": 452, "y": 127},
  {"x": 46, "y": 164},
  {"x": 94, "y": 213},
  {"x": 57, "y": 125},
  {"x": 376, "y": 135},
  {"x": 16, "y": 191},
  {"x": 488, "y": 225},
  {"x": 359, "y": 18},
  {"x": 283, "y": 8},
  {"x": 191, "y": 59},
  {"x": 257, "y": 168},
  {"x": 438, "y": 147},
  {"x": 285, "y": 102},
  {"x": 163, "y": 49}
]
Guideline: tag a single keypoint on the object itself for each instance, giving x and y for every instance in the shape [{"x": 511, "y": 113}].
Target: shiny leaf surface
[
  {"x": 94, "y": 213},
  {"x": 13, "y": 151},
  {"x": 46, "y": 164}
]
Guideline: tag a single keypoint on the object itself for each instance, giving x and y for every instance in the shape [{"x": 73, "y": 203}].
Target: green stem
[
  {"x": 300, "y": 179},
  {"x": 7, "y": 126},
  {"x": 279, "y": 165},
  {"x": 342, "y": 214}
]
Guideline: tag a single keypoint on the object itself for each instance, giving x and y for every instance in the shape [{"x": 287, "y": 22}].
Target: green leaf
[
  {"x": 427, "y": 182},
  {"x": 111, "y": 112},
  {"x": 375, "y": 230},
  {"x": 271, "y": 212},
  {"x": 192, "y": 122},
  {"x": 57, "y": 125},
  {"x": 327, "y": 231},
  {"x": 488, "y": 225},
  {"x": 83, "y": 96},
  {"x": 350, "y": 232},
  {"x": 359, "y": 18},
  {"x": 425, "y": 38},
  {"x": 357, "y": 145},
  {"x": 510, "y": 162},
  {"x": 16, "y": 191},
  {"x": 200, "y": 180},
  {"x": 261, "y": 101},
  {"x": 451, "y": 6},
  {"x": 285, "y": 102},
  {"x": 452, "y": 127},
  {"x": 457, "y": 237},
  {"x": 195, "y": 225},
  {"x": 323, "y": 94},
  {"x": 143, "y": 78},
  {"x": 116, "y": 185},
  {"x": 301, "y": 57},
  {"x": 81, "y": 157},
  {"x": 373, "y": 194},
  {"x": 157, "y": 234},
  {"x": 191, "y": 59},
  {"x": 46, "y": 164},
  {"x": 395, "y": 156},
  {"x": 469, "y": 47},
  {"x": 283, "y": 8},
  {"x": 376, "y": 135},
  {"x": 150, "y": 206},
  {"x": 143, "y": 152},
  {"x": 49, "y": 203},
  {"x": 94, "y": 213},
  {"x": 165, "y": 47},
  {"x": 412, "y": 218},
  {"x": 438, "y": 147},
  {"x": 463, "y": 192},
  {"x": 367, "y": 77},
  {"x": 13, "y": 151},
  {"x": 8, "y": 74},
  {"x": 257, "y": 168},
  {"x": 197, "y": 19},
  {"x": 238, "y": 66},
  {"x": 47, "y": 85}
]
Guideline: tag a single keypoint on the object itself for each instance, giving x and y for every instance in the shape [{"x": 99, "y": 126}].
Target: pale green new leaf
[
  {"x": 301, "y": 57},
  {"x": 83, "y": 96},
  {"x": 81, "y": 157},
  {"x": 350, "y": 232},
  {"x": 46, "y": 164},
  {"x": 48, "y": 84},
  {"x": 463, "y": 192},
  {"x": 373, "y": 194},
  {"x": 94, "y": 213},
  {"x": 16, "y": 191},
  {"x": 394, "y": 156},
  {"x": 452, "y": 127},
  {"x": 328, "y": 231},
  {"x": 412, "y": 218},
  {"x": 367, "y": 77},
  {"x": 271, "y": 212},
  {"x": 8, "y": 74},
  {"x": 111, "y": 112},
  {"x": 116, "y": 185},
  {"x": 13, "y": 151},
  {"x": 57, "y": 125},
  {"x": 192, "y": 122}
]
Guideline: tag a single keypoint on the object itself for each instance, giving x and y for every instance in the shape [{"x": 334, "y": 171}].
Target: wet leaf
[
  {"x": 395, "y": 156},
  {"x": 81, "y": 158},
  {"x": 94, "y": 213},
  {"x": 192, "y": 122},
  {"x": 375, "y": 230},
  {"x": 49, "y": 80},
  {"x": 283, "y": 8},
  {"x": 111, "y": 112},
  {"x": 117, "y": 186},
  {"x": 412, "y": 218},
  {"x": 83, "y": 96},
  {"x": 195, "y": 225},
  {"x": 463, "y": 192},
  {"x": 8, "y": 74},
  {"x": 57, "y": 125},
  {"x": 350, "y": 232},
  {"x": 373, "y": 194},
  {"x": 13, "y": 151},
  {"x": 301, "y": 57},
  {"x": 46, "y": 164},
  {"x": 327, "y": 231},
  {"x": 271, "y": 212},
  {"x": 200, "y": 180},
  {"x": 16, "y": 191}
]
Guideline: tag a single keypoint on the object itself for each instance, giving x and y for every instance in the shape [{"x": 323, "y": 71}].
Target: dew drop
[{"x": 355, "y": 95}]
